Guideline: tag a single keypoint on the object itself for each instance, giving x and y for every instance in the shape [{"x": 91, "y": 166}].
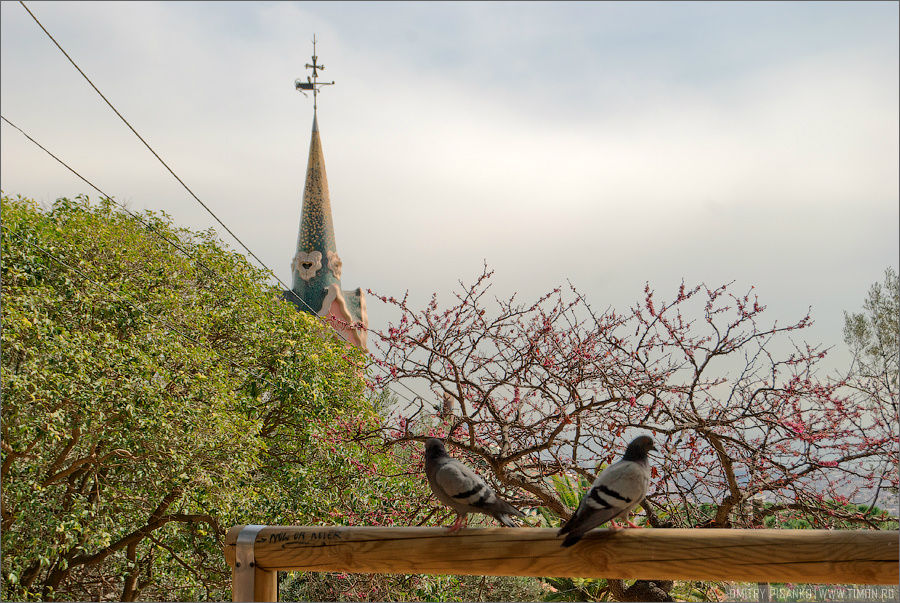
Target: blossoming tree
[{"x": 536, "y": 394}]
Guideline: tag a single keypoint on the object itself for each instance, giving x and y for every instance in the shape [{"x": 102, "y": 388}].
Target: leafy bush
[{"x": 156, "y": 392}]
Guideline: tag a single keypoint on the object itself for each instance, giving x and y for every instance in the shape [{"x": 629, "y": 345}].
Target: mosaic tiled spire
[{"x": 316, "y": 266}]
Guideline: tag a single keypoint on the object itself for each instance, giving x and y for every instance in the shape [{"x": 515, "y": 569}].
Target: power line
[
  {"x": 124, "y": 208},
  {"x": 155, "y": 154},
  {"x": 134, "y": 304},
  {"x": 148, "y": 226},
  {"x": 109, "y": 197},
  {"x": 180, "y": 181},
  {"x": 137, "y": 217},
  {"x": 61, "y": 162},
  {"x": 146, "y": 144}
]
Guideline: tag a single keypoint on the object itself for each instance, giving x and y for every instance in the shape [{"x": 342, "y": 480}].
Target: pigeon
[
  {"x": 617, "y": 490},
  {"x": 462, "y": 489}
]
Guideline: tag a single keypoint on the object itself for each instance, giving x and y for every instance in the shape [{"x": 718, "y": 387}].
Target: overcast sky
[{"x": 609, "y": 144}]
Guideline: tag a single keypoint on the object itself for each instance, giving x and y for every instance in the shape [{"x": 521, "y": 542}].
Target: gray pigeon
[
  {"x": 617, "y": 490},
  {"x": 462, "y": 489}
]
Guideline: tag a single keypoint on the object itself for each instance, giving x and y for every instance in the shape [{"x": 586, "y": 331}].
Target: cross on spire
[{"x": 312, "y": 82}]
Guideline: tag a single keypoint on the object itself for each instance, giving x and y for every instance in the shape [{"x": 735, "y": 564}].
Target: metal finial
[{"x": 312, "y": 82}]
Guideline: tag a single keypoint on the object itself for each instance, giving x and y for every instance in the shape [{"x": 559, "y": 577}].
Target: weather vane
[{"x": 312, "y": 82}]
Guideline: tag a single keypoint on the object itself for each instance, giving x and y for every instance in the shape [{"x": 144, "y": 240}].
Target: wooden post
[
  {"x": 249, "y": 582},
  {"x": 266, "y": 587},
  {"x": 800, "y": 556}
]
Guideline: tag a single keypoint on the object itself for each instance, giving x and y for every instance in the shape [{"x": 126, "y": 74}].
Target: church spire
[{"x": 316, "y": 266}]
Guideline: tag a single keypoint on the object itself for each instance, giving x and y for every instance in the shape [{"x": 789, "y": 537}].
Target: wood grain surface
[{"x": 800, "y": 556}]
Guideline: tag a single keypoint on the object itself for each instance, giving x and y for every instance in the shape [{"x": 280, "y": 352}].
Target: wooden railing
[{"x": 257, "y": 553}]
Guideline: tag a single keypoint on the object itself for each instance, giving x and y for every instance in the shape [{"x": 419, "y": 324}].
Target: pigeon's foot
[
  {"x": 614, "y": 527},
  {"x": 633, "y": 525},
  {"x": 458, "y": 525}
]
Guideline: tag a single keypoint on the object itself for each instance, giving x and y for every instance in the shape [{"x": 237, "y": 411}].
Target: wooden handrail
[{"x": 799, "y": 556}]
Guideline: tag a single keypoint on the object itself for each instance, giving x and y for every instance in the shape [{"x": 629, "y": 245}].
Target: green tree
[
  {"x": 156, "y": 392},
  {"x": 873, "y": 337}
]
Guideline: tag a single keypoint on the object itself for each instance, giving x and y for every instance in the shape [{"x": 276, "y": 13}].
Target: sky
[{"x": 604, "y": 144}]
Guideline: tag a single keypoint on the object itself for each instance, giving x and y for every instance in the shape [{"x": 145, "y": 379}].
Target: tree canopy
[
  {"x": 873, "y": 337},
  {"x": 155, "y": 392}
]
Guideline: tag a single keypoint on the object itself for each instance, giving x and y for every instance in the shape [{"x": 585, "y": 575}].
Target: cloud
[{"x": 603, "y": 142}]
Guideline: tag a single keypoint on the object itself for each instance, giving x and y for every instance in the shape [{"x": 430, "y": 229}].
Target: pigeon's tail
[
  {"x": 577, "y": 526},
  {"x": 501, "y": 511},
  {"x": 567, "y": 527},
  {"x": 585, "y": 520},
  {"x": 572, "y": 538},
  {"x": 505, "y": 507}
]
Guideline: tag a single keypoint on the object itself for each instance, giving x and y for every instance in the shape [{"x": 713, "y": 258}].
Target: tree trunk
[
  {"x": 129, "y": 592},
  {"x": 642, "y": 590}
]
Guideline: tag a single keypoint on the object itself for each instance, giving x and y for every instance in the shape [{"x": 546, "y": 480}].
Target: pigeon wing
[
  {"x": 463, "y": 485},
  {"x": 617, "y": 490}
]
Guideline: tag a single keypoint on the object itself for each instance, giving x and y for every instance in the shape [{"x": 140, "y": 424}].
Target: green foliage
[
  {"x": 311, "y": 586},
  {"x": 153, "y": 397},
  {"x": 570, "y": 491},
  {"x": 778, "y": 518},
  {"x": 873, "y": 337},
  {"x": 874, "y": 333}
]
